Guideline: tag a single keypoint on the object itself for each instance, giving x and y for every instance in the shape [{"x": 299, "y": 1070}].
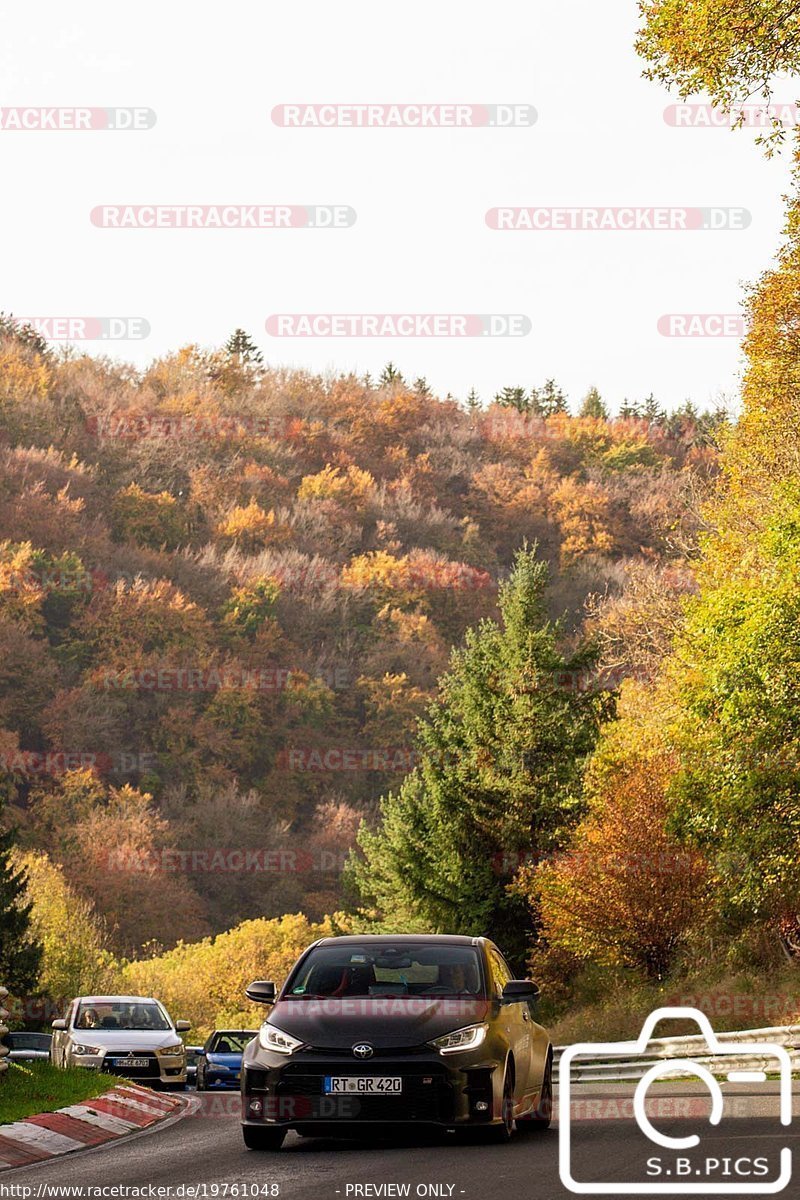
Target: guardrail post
[{"x": 3, "y": 1032}]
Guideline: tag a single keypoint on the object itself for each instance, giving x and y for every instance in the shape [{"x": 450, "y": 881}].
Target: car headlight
[
  {"x": 81, "y": 1049},
  {"x": 272, "y": 1038},
  {"x": 176, "y": 1049},
  {"x": 468, "y": 1038}
]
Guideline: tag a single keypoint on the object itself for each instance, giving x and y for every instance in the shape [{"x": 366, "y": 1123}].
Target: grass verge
[
  {"x": 30, "y": 1088},
  {"x": 741, "y": 1000}
]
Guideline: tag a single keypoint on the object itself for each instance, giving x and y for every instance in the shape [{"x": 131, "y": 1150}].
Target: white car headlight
[
  {"x": 468, "y": 1038},
  {"x": 82, "y": 1049},
  {"x": 272, "y": 1038},
  {"x": 176, "y": 1049}
]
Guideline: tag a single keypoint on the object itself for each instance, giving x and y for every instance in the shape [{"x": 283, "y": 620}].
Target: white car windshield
[{"x": 120, "y": 1014}]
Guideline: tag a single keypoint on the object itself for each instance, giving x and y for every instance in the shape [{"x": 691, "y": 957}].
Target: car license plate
[
  {"x": 363, "y": 1085},
  {"x": 130, "y": 1062}
]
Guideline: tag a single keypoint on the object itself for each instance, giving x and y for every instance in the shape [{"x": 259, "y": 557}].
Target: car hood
[
  {"x": 383, "y": 1021},
  {"x": 224, "y": 1060},
  {"x": 126, "y": 1039}
]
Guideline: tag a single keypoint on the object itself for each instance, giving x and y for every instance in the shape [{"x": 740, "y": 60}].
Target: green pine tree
[
  {"x": 20, "y": 957},
  {"x": 241, "y": 348},
  {"x": 390, "y": 375},
  {"x": 592, "y": 405},
  {"x": 513, "y": 397},
  {"x": 498, "y": 780},
  {"x": 548, "y": 400},
  {"x": 652, "y": 410},
  {"x": 24, "y": 334},
  {"x": 629, "y": 410},
  {"x": 473, "y": 402}
]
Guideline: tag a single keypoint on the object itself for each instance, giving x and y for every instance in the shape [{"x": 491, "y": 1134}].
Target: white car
[{"x": 133, "y": 1036}]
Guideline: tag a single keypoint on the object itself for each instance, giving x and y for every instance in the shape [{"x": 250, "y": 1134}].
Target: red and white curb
[{"x": 122, "y": 1110}]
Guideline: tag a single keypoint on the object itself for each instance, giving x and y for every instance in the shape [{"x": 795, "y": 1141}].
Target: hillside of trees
[
  {"x": 228, "y": 592},
  {"x": 283, "y": 656}
]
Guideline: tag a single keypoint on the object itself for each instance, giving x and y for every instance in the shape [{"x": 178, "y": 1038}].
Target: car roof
[
  {"x": 253, "y": 1032},
  {"x": 378, "y": 939},
  {"x": 116, "y": 1000}
]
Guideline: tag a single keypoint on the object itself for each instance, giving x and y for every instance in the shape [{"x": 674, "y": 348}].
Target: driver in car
[{"x": 456, "y": 976}]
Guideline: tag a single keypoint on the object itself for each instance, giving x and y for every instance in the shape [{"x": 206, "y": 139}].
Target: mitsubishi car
[
  {"x": 392, "y": 1031},
  {"x": 133, "y": 1036}
]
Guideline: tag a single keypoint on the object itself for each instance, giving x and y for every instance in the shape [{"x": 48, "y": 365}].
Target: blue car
[{"x": 219, "y": 1063}]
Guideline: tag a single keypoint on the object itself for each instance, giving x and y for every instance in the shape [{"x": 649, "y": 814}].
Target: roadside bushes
[{"x": 204, "y": 982}]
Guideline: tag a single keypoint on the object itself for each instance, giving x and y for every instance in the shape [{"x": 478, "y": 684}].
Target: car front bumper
[
  {"x": 160, "y": 1068},
  {"x": 220, "y": 1079},
  {"x": 446, "y": 1091}
]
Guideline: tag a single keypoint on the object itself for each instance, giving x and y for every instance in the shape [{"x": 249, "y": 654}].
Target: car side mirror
[
  {"x": 262, "y": 991},
  {"x": 519, "y": 990},
  {"x": 60, "y": 1023},
  {"x": 183, "y": 1026}
]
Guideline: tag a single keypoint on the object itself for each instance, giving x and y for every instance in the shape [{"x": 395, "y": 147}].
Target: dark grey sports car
[{"x": 392, "y": 1031}]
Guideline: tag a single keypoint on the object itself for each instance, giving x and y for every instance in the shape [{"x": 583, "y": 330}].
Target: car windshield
[
  {"x": 388, "y": 969},
  {"x": 120, "y": 1014},
  {"x": 28, "y": 1041},
  {"x": 230, "y": 1043}
]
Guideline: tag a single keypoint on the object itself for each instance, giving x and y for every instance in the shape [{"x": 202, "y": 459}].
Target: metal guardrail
[
  {"x": 3, "y": 1031},
  {"x": 605, "y": 1068}
]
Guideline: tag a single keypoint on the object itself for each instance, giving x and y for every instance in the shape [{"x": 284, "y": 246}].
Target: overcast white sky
[{"x": 214, "y": 72}]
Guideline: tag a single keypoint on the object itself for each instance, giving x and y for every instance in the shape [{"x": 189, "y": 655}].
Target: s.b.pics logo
[{"x": 680, "y": 1162}]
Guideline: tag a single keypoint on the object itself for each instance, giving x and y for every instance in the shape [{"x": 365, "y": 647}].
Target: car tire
[
  {"x": 500, "y": 1134},
  {"x": 262, "y": 1139},
  {"x": 540, "y": 1118}
]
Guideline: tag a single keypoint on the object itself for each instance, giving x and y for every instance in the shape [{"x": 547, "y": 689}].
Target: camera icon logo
[{"x": 670, "y": 1173}]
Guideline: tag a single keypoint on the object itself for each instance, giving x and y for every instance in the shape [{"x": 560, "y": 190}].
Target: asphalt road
[{"x": 205, "y": 1148}]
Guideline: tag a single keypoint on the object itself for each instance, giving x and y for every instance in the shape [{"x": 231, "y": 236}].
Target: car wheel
[
  {"x": 542, "y": 1114},
  {"x": 262, "y": 1139},
  {"x": 502, "y": 1133}
]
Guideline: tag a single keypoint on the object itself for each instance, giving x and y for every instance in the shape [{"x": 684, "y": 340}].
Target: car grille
[
  {"x": 152, "y": 1068},
  {"x": 426, "y": 1095}
]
